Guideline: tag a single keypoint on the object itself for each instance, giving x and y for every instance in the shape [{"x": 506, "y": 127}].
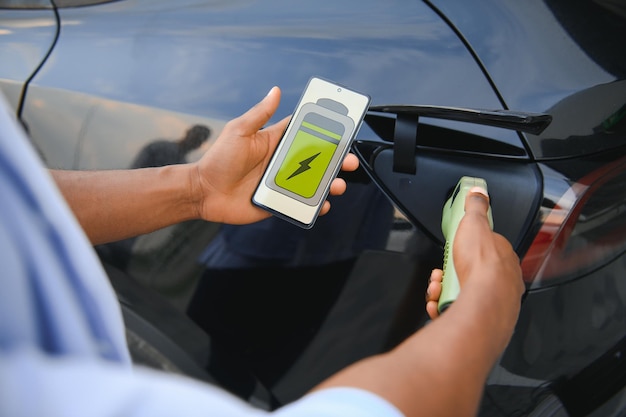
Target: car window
[{"x": 47, "y": 4}]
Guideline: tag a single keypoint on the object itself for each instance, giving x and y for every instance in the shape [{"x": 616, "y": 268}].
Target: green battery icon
[{"x": 310, "y": 154}]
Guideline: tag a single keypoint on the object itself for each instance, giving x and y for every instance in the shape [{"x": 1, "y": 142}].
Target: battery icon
[{"x": 310, "y": 154}]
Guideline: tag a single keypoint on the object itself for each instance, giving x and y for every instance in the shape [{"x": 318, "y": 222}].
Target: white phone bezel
[{"x": 285, "y": 204}]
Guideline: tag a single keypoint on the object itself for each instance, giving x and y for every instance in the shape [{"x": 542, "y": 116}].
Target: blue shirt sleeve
[
  {"x": 33, "y": 384},
  {"x": 55, "y": 294},
  {"x": 340, "y": 402}
]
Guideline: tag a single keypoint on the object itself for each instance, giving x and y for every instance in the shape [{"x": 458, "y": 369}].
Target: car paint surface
[{"x": 127, "y": 72}]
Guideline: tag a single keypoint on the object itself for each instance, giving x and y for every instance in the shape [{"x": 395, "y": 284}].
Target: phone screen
[{"x": 309, "y": 155}]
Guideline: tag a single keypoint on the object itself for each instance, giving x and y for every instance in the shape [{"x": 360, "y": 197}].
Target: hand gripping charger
[
  {"x": 311, "y": 151},
  {"x": 453, "y": 212}
]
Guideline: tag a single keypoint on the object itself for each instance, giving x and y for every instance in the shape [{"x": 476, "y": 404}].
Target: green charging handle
[{"x": 453, "y": 212}]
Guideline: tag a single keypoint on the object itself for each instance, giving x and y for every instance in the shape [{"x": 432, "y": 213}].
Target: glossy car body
[{"x": 95, "y": 83}]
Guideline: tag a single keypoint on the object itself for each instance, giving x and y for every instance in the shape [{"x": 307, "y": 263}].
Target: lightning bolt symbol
[{"x": 304, "y": 165}]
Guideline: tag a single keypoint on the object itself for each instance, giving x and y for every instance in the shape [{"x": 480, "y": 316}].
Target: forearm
[
  {"x": 113, "y": 205},
  {"x": 441, "y": 369}
]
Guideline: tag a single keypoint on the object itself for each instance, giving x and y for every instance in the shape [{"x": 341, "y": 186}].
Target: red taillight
[{"x": 585, "y": 229}]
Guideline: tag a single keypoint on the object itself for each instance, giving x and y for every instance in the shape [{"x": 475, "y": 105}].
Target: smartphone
[{"x": 310, "y": 153}]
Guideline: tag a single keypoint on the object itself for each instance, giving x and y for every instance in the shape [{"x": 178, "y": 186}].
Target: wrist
[
  {"x": 497, "y": 308},
  {"x": 195, "y": 191}
]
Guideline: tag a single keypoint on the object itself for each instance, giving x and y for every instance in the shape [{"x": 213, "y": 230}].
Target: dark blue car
[{"x": 529, "y": 95}]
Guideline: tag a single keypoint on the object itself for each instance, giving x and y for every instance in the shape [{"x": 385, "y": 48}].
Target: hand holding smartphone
[{"x": 311, "y": 151}]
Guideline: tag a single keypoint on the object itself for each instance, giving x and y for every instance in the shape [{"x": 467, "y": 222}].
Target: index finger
[{"x": 350, "y": 162}]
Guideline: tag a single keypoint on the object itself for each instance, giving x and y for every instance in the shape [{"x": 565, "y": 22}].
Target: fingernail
[
  {"x": 271, "y": 91},
  {"x": 479, "y": 190}
]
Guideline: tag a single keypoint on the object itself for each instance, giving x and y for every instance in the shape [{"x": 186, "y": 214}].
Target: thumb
[
  {"x": 477, "y": 202},
  {"x": 473, "y": 229},
  {"x": 258, "y": 116}
]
